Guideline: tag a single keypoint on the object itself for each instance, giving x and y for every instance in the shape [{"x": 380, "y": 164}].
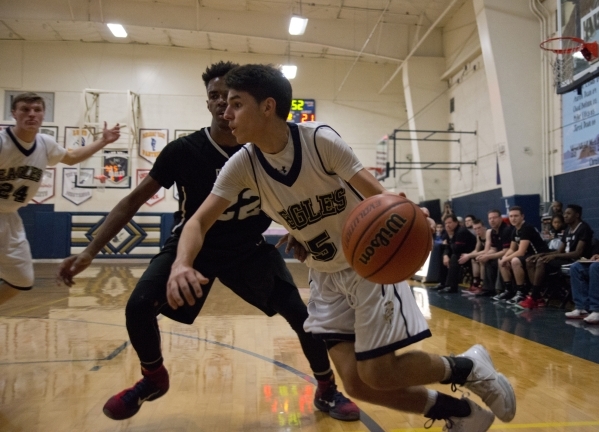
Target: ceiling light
[
  {"x": 290, "y": 71},
  {"x": 297, "y": 25},
  {"x": 117, "y": 30}
]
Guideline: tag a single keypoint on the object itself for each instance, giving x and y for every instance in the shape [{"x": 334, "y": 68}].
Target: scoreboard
[{"x": 302, "y": 110}]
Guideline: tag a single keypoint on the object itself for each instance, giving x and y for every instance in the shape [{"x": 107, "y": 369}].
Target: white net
[{"x": 563, "y": 70}]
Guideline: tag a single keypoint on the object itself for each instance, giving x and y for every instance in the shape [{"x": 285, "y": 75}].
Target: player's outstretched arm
[
  {"x": 112, "y": 225},
  {"x": 184, "y": 280},
  {"x": 79, "y": 154}
]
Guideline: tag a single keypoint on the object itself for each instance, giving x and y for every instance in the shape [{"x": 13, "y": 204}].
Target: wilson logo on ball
[
  {"x": 350, "y": 228},
  {"x": 383, "y": 237}
]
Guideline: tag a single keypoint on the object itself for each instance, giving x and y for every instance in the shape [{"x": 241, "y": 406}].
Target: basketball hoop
[{"x": 565, "y": 49}]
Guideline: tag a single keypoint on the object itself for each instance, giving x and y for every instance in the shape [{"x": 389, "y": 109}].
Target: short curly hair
[{"x": 217, "y": 70}]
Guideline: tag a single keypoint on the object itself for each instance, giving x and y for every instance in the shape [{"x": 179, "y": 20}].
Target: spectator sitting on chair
[
  {"x": 477, "y": 269},
  {"x": 575, "y": 244},
  {"x": 558, "y": 226},
  {"x": 526, "y": 241},
  {"x": 438, "y": 235},
  {"x": 447, "y": 210},
  {"x": 469, "y": 222},
  {"x": 584, "y": 278},
  {"x": 459, "y": 240},
  {"x": 556, "y": 208},
  {"x": 546, "y": 226},
  {"x": 500, "y": 239}
]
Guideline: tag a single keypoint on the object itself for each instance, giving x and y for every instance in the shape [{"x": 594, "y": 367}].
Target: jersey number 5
[
  {"x": 320, "y": 248},
  {"x": 20, "y": 194}
]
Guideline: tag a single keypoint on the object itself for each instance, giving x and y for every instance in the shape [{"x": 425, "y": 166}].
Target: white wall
[{"x": 173, "y": 95}]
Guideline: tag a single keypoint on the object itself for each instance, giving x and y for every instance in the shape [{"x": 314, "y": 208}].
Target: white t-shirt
[
  {"x": 307, "y": 194},
  {"x": 22, "y": 167}
]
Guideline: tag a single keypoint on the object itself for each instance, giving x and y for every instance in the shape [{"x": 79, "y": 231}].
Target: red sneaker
[
  {"x": 530, "y": 303},
  {"x": 328, "y": 399},
  {"x": 125, "y": 404}
]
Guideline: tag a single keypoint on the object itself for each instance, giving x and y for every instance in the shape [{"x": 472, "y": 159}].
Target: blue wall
[
  {"x": 582, "y": 188},
  {"x": 478, "y": 204}
]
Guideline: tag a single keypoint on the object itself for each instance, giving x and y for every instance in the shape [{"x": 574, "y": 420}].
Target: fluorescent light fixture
[
  {"x": 290, "y": 71},
  {"x": 297, "y": 25},
  {"x": 117, "y": 30}
]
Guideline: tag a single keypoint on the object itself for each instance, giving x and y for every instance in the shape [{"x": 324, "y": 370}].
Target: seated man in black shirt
[
  {"x": 526, "y": 241},
  {"x": 575, "y": 244},
  {"x": 495, "y": 249},
  {"x": 459, "y": 241}
]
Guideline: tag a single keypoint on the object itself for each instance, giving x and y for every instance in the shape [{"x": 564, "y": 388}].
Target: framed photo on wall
[
  {"x": 179, "y": 133},
  {"x": 151, "y": 143},
  {"x": 50, "y": 130}
]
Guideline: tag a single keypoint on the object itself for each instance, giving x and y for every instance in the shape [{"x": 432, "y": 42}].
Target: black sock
[
  {"x": 476, "y": 281},
  {"x": 509, "y": 287},
  {"x": 522, "y": 288},
  {"x": 460, "y": 369},
  {"x": 327, "y": 376},
  {"x": 448, "y": 406},
  {"x": 535, "y": 292}
]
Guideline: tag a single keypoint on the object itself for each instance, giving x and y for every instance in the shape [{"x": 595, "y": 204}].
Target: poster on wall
[
  {"x": 180, "y": 133},
  {"x": 581, "y": 127},
  {"x": 74, "y": 194},
  {"x": 50, "y": 130},
  {"x": 75, "y": 137},
  {"x": 46, "y": 190},
  {"x": 158, "y": 196},
  {"x": 151, "y": 143},
  {"x": 115, "y": 164}
]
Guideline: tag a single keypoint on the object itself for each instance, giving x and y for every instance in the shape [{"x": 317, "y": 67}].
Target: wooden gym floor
[{"x": 64, "y": 352}]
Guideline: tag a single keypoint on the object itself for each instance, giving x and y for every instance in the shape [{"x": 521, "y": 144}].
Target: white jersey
[
  {"x": 21, "y": 169},
  {"x": 304, "y": 188}
]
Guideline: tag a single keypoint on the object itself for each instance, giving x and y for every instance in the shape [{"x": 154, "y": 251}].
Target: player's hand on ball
[{"x": 184, "y": 280}]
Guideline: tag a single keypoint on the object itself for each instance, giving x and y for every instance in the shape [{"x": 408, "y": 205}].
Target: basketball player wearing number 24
[
  {"x": 24, "y": 154},
  {"x": 363, "y": 323}
]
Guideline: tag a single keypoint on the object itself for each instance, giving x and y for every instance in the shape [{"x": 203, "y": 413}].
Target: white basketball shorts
[
  {"x": 16, "y": 266},
  {"x": 380, "y": 319}
]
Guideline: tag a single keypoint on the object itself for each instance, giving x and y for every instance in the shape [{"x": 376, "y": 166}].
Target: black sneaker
[
  {"x": 125, "y": 404},
  {"x": 517, "y": 298},
  {"x": 506, "y": 295}
]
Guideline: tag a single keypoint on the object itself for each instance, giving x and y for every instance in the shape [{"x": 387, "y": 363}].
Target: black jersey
[
  {"x": 501, "y": 239},
  {"x": 193, "y": 162},
  {"x": 582, "y": 232},
  {"x": 528, "y": 232}
]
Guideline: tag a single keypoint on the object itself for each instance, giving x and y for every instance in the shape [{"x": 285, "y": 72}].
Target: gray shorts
[{"x": 380, "y": 319}]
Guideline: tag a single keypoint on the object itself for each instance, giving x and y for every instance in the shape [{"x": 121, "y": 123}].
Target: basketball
[{"x": 387, "y": 238}]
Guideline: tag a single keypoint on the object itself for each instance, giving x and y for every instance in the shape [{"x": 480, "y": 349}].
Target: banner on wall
[
  {"x": 158, "y": 196},
  {"x": 151, "y": 143},
  {"x": 46, "y": 190},
  {"x": 76, "y": 195},
  {"x": 580, "y": 127},
  {"x": 75, "y": 137}
]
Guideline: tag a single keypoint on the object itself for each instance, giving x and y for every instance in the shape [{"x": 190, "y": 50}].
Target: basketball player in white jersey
[
  {"x": 309, "y": 180},
  {"x": 24, "y": 154}
]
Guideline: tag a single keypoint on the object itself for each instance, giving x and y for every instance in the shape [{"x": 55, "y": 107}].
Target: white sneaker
[
  {"x": 493, "y": 388},
  {"x": 479, "y": 420},
  {"x": 577, "y": 314},
  {"x": 593, "y": 318},
  {"x": 517, "y": 298}
]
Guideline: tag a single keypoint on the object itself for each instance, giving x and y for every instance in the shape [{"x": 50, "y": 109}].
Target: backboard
[{"x": 580, "y": 19}]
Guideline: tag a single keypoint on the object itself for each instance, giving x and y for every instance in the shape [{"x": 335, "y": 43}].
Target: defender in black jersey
[{"x": 235, "y": 252}]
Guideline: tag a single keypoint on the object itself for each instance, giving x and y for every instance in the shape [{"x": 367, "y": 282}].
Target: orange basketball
[{"x": 387, "y": 238}]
